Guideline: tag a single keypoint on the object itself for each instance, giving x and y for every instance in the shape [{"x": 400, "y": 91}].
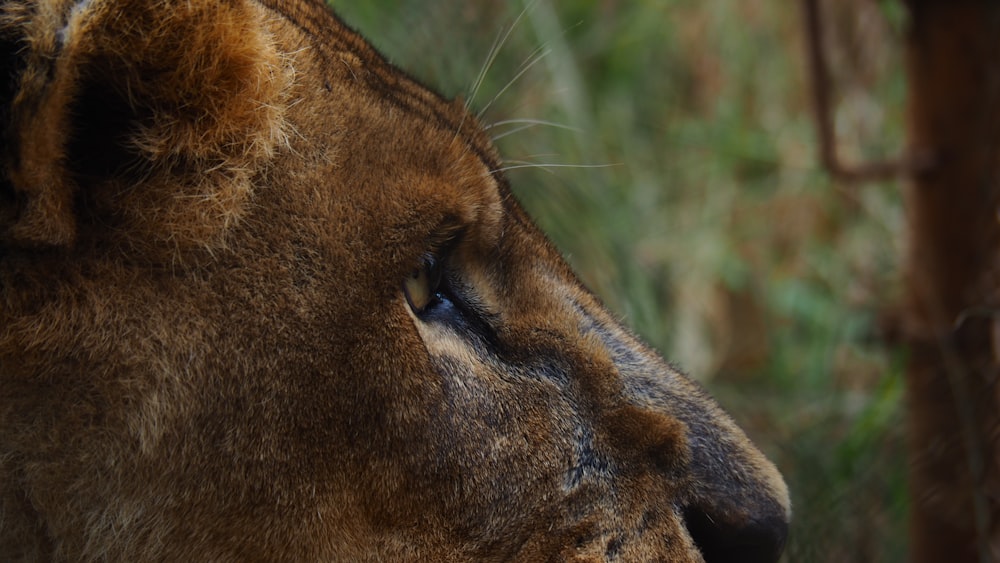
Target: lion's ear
[{"x": 148, "y": 118}]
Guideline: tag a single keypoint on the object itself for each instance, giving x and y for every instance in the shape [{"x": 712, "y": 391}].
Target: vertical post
[{"x": 951, "y": 315}]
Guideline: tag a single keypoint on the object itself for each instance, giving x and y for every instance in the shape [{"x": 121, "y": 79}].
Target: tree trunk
[{"x": 951, "y": 314}]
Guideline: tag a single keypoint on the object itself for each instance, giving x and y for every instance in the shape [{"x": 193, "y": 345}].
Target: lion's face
[{"x": 265, "y": 297}]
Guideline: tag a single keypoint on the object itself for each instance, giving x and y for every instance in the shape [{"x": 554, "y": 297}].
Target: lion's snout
[
  {"x": 760, "y": 539},
  {"x": 730, "y": 499}
]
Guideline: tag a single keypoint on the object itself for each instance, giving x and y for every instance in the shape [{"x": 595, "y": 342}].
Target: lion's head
[{"x": 264, "y": 297}]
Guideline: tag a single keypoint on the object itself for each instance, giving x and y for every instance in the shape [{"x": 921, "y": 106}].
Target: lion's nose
[{"x": 758, "y": 540}]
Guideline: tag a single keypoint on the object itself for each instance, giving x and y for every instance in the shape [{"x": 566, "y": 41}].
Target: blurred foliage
[{"x": 672, "y": 159}]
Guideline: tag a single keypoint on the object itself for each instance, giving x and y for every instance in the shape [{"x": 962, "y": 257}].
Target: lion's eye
[{"x": 422, "y": 285}]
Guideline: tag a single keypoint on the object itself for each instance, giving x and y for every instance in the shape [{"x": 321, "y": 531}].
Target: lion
[{"x": 264, "y": 297}]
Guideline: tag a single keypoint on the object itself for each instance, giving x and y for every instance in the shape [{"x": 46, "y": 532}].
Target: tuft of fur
[{"x": 185, "y": 99}]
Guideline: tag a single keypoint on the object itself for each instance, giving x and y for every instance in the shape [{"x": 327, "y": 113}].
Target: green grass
[{"x": 699, "y": 213}]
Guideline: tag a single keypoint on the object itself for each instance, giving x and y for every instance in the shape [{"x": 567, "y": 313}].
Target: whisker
[
  {"x": 531, "y": 121},
  {"x": 547, "y": 166},
  {"x": 524, "y": 68},
  {"x": 496, "y": 138},
  {"x": 498, "y": 43},
  {"x": 527, "y": 124},
  {"x": 528, "y": 62},
  {"x": 490, "y": 57},
  {"x": 532, "y": 55}
]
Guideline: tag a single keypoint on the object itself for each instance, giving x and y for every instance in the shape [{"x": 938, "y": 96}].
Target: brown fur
[{"x": 207, "y": 213}]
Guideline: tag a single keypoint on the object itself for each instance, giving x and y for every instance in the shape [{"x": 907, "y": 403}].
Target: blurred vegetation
[{"x": 677, "y": 171}]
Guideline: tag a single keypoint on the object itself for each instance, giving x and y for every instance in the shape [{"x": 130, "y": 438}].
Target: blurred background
[{"x": 668, "y": 148}]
